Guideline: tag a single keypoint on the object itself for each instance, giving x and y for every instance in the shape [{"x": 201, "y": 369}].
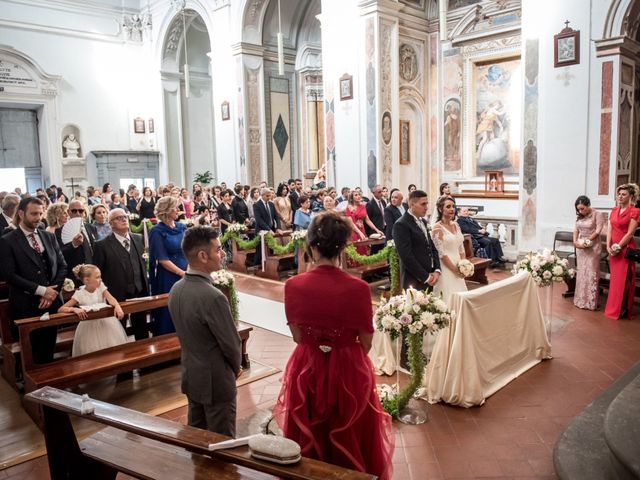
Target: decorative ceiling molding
[
  {"x": 45, "y": 83},
  {"x": 481, "y": 21}
]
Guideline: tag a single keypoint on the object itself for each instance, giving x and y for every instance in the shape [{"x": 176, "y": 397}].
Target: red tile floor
[{"x": 511, "y": 436}]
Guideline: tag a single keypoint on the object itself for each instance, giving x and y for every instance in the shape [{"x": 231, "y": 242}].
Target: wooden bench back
[
  {"x": 468, "y": 246},
  {"x": 4, "y": 290},
  {"x": 282, "y": 238},
  {"x": 5, "y": 323},
  {"x": 27, "y": 325},
  {"x": 184, "y": 436}
]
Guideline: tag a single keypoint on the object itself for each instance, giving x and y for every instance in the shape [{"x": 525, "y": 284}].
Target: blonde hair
[
  {"x": 632, "y": 188},
  {"x": 83, "y": 270},
  {"x": 164, "y": 206},
  {"x": 54, "y": 212}
]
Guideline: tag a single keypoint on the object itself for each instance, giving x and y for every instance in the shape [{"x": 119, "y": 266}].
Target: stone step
[{"x": 582, "y": 452}]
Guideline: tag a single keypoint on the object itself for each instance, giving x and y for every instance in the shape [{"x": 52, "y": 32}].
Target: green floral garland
[
  {"x": 268, "y": 238},
  {"x": 140, "y": 228},
  {"x": 394, "y": 405},
  {"x": 388, "y": 253}
]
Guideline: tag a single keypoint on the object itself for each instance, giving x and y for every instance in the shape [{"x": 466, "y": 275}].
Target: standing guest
[
  {"x": 419, "y": 260},
  {"x": 147, "y": 204},
  {"x": 199, "y": 201},
  {"x": 133, "y": 199},
  {"x": 210, "y": 346},
  {"x": 303, "y": 214},
  {"x": 363, "y": 199},
  {"x": 480, "y": 237},
  {"x": 357, "y": 212},
  {"x": 329, "y": 204},
  {"x": 119, "y": 258},
  {"x": 61, "y": 196},
  {"x": 203, "y": 216},
  {"x": 167, "y": 263},
  {"x": 586, "y": 239},
  {"x": 45, "y": 200},
  {"x": 393, "y": 212},
  {"x": 375, "y": 210},
  {"x": 100, "y": 333},
  {"x": 78, "y": 196},
  {"x": 57, "y": 216},
  {"x": 265, "y": 218},
  {"x": 344, "y": 195},
  {"x": 186, "y": 203},
  {"x": 411, "y": 188},
  {"x": 216, "y": 200},
  {"x": 80, "y": 248},
  {"x": 445, "y": 191},
  {"x": 116, "y": 202},
  {"x": 294, "y": 196},
  {"x": 240, "y": 207},
  {"x": 99, "y": 216},
  {"x": 623, "y": 222},
  {"x": 283, "y": 207},
  {"x": 333, "y": 412},
  {"x": 385, "y": 194},
  {"x": 318, "y": 201},
  {"x": 254, "y": 196},
  {"x": 32, "y": 264},
  {"x": 225, "y": 211},
  {"x": 9, "y": 206},
  {"x": 107, "y": 190}
]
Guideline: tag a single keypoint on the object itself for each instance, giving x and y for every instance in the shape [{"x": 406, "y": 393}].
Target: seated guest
[
  {"x": 203, "y": 216},
  {"x": 211, "y": 349},
  {"x": 32, "y": 264},
  {"x": 393, "y": 212},
  {"x": 124, "y": 272},
  {"x": 331, "y": 411},
  {"x": 96, "y": 334},
  {"x": 99, "y": 216},
  {"x": 9, "y": 206},
  {"x": 167, "y": 263},
  {"x": 80, "y": 248},
  {"x": 478, "y": 234},
  {"x": 57, "y": 216}
]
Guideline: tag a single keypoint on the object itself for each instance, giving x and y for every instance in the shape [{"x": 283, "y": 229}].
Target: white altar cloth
[{"x": 498, "y": 334}]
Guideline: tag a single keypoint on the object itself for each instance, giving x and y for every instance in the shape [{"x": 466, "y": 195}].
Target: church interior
[{"x": 519, "y": 106}]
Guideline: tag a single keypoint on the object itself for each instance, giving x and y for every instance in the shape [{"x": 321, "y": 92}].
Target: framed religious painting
[
  {"x": 493, "y": 183},
  {"x": 566, "y": 47},
  {"x": 138, "y": 125},
  {"x": 405, "y": 142},
  {"x": 152, "y": 127},
  {"x": 346, "y": 87},
  {"x": 225, "y": 111}
]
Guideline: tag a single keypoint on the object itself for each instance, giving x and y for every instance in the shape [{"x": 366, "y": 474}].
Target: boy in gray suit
[{"x": 211, "y": 347}]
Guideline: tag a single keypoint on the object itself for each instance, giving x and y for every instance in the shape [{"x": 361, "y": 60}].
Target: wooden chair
[
  {"x": 144, "y": 446},
  {"x": 479, "y": 264}
]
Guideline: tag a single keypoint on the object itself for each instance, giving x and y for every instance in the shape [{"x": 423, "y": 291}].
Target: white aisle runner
[{"x": 263, "y": 313}]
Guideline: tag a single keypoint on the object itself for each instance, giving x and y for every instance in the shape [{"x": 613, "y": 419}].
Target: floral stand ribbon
[{"x": 263, "y": 247}]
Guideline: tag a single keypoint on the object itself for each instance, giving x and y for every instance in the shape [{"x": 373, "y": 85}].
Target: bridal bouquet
[
  {"x": 466, "y": 268},
  {"x": 545, "y": 268},
  {"x": 237, "y": 228}
]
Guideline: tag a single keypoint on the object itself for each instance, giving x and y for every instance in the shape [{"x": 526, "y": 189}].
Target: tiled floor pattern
[{"x": 511, "y": 436}]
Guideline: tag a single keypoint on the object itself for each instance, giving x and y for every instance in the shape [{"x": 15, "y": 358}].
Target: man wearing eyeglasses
[
  {"x": 80, "y": 249},
  {"x": 119, "y": 258}
]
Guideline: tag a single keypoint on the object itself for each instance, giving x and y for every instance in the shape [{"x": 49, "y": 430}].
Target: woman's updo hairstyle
[
  {"x": 440, "y": 204},
  {"x": 582, "y": 200},
  {"x": 83, "y": 270},
  {"x": 632, "y": 188},
  {"x": 329, "y": 233}
]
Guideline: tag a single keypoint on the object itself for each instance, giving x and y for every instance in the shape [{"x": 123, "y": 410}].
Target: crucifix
[{"x": 73, "y": 186}]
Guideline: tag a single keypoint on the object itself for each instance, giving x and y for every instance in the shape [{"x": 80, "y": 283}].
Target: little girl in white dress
[{"x": 92, "y": 335}]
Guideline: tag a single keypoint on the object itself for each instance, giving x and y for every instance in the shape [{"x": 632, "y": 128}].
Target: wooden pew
[
  {"x": 241, "y": 259},
  {"x": 274, "y": 264},
  {"x": 479, "y": 264},
  {"x": 151, "y": 447},
  {"x": 365, "y": 271}
]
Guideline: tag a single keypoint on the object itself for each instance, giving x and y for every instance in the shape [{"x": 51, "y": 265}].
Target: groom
[{"x": 419, "y": 261}]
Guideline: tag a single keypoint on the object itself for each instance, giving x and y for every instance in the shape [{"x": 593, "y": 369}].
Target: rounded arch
[
  {"x": 413, "y": 109},
  {"x": 616, "y": 22}
]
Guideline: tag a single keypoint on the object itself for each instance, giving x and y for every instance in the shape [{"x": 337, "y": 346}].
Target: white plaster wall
[{"x": 565, "y": 149}]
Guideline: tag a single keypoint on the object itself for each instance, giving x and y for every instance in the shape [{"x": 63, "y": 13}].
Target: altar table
[{"x": 498, "y": 333}]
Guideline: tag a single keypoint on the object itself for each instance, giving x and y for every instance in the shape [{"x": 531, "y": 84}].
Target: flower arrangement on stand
[
  {"x": 411, "y": 314},
  {"x": 224, "y": 281},
  {"x": 545, "y": 268},
  {"x": 237, "y": 228}
]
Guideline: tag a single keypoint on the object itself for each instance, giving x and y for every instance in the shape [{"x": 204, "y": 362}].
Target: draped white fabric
[
  {"x": 497, "y": 335},
  {"x": 383, "y": 354}
]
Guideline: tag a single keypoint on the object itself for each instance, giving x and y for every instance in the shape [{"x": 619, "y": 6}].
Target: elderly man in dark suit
[
  {"x": 119, "y": 258},
  {"x": 211, "y": 346},
  {"x": 264, "y": 213},
  {"x": 375, "y": 210},
  {"x": 419, "y": 261},
  {"x": 481, "y": 238},
  {"x": 9, "y": 206},
  {"x": 393, "y": 212},
  {"x": 33, "y": 266},
  {"x": 80, "y": 249}
]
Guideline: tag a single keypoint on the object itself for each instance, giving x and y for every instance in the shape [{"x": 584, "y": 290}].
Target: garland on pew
[
  {"x": 388, "y": 253},
  {"x": 278, "y": 249},
  {"x": 140, "y": 228}
]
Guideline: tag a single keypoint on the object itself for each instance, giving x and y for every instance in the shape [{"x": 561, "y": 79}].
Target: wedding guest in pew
[
  {"x": 101, "y": 333},
  {"x": 210, "y": 345},
  {"x": 33, "y": 265},
  {"x": 265, "y": 218},
  {"x": 119, "y": 256},
  {"x": 99, "y": 216},
  {"x": 302, "y": 218},
  {"x": 333, "y": 412},
  {"x": 167, "y": 263},
  {"x": 393, "y": 212},
  {"x": 80, "y": 249},
  {"x": 481, "y": 237},
  {"x": 239, "y": 206},
  {"x": 9, "y": 206}
]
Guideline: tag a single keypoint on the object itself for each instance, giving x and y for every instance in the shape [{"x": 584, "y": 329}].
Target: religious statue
[
  {"x": 408, "y": 63},
  {"x": 71, "y": 146}
]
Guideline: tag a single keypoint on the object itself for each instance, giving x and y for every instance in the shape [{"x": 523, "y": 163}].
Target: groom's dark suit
[{"x": 418, "y": 254}]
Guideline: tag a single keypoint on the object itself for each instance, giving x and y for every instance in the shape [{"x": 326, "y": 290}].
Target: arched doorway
[{"x": 188, "y": 109}]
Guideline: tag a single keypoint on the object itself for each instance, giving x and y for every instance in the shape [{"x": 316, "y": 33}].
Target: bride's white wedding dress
[{"x": 451, "y": 245}]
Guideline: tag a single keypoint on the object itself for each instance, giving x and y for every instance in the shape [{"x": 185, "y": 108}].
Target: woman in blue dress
[{"x": 167, "y": 263}]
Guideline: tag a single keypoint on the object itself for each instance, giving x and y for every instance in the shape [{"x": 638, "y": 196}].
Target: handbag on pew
[{"x": 632, "y": 254}]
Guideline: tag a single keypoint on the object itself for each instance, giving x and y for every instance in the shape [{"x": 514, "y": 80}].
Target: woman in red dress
[
  {"x": 622, "y": 225},
  {"x": 357, "y": 212},
  {"x": 328, "y": 402}
]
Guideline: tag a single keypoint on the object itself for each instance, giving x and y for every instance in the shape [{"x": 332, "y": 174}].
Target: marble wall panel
[{"x": 604, "y": 166}]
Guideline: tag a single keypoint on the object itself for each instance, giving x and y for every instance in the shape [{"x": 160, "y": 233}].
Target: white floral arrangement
[
  {"x": 412, "y": 312},
  {"x": 586, "y": 242},
  {"x": 134, "y": 216},
  {"x": 68, "y": 285},
  {"x": 387, "y": 392},
  {"x": 299, "y": 235},
  {"x": 237, "y": 228},
  {"x": 466, "y": 268},
  {"x": 616, "y": 248},
  {"x": 545, "y": 268},
  {"x": 222, "y": 278},
  {"x": 187, "y": 221},
  {"x": 390, "y": 243}
]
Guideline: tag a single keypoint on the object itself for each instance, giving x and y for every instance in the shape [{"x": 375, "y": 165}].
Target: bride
[{"x": 448, "y": 240}]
